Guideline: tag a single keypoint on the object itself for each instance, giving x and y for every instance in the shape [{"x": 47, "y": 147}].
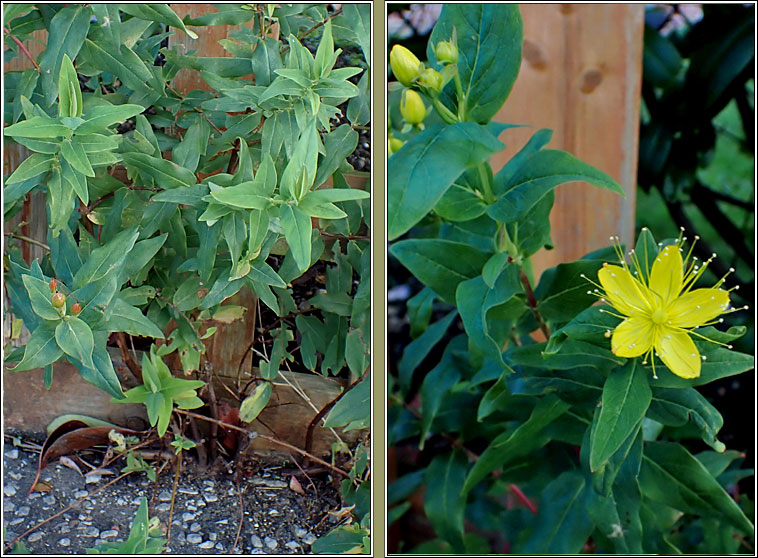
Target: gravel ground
[{"x": 206, "y": 511}]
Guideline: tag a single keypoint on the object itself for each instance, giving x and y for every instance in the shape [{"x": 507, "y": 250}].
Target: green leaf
[
  {"x": 129, "y": 319},
  {"x": 572, "y": 354},
  {"x": 40, "y": 297},
  {"x": 31, "y": 167},
  {"x": 157, "y": 12},
  {"x": 339, "y": 143},
  {"x": 356, "y": 352},
  {"x": 297, "y": 231},
  {"x": 166, "y": 174},
  {"x": 41, "y": 349},
  {"x": 125, "y": 64},
  {"x": 227, "y": 14},
  {"x": 444, "y": 502},
  {"x": 489, "y": 40},
  {"x": 562, "y": 291},
  {"x": 460, "y": 204},
  {"x": 440, "y": 264},
  {"x": 102, "y": 374},
  {"x": 677, "y": 407},
  {"x": 501, "y": 180},
  {"x": 434, "y": 388},
  {"x": 353, "y": 410},
  {"x": 417, "y": 350},
  {"x": 345, "y": 539},
  {"x": 69, "y": 92},
  {"x": 64, "y": 254},
  {"x": 41, "y": 127},
  {"x": 266, "y": 59},
  {"x": 74, "y": 337},
  {"x": 626, "y": 397},
  {"x": 235, "y": 233},
  {"x": 193, "y": 145},
  {"x": 475, "y": 300},
  {"x": 254, "y": 403},
  {"x": 74, "y": 154},
  {"x": 720, "y": 363},
  {"x": 338, "y": 303},
  {"x": 562, "y": 525},
  {"x": 101, "y": 117},
  {"x": 247, "y": 195},
  {"x": 672, "y": 476},
  {"x": 513, "y": 444},
  {"x": 358, "y": 18},
  {"x": 67, "y": 32},
  {"x": 110, "y": 256},
  {"x": 541, "y": 172},
  {"x": 94, "y": 295},
  {"x": 421, "y": 172},
  {"x": 494, "y": 398}
]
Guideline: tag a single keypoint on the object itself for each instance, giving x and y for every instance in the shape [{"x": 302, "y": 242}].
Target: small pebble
[
  {"x": 270, "y": 483},
  {"x": 219, "y": 546},
  {"x": 17, "y": 521},
  {"x": 65, "y": 542},
  {"x": 271, "y": 543},
  {"x": 206, "y": 544},
  {"x": 212, "y": 536},
  {"x": 189, "y": 491},
  {"x": 91, "y": 531},
  {"x": 256, "y": 541},
  {"x": 195, "y": 527},
  {"x": 222, "y": 522},
  {"x": 80, "y": 494},
  {"x": 10, "y": 506},
  {"x": 164, "y": 496},
  {"x": 164, "y": 507},
  {"x": 63, "y": 528},
  {"x": 110, "y": 533},
  {"x": 12, "y": 453},
  {"x": 186, "y": 516},
  {"x": 273, "y": 512},
  {"x": 9, "y": 490},
  {"x": 136, "y": 501},
  {"x": 309, "y": 539},
  {"x": 210, "y": 497},
  {"x": 194, "y": 538},
  {"x": 49, "y": 500},
  {"x": 292, "y": 545},
  {"x": 34, "y": 496},
  {"x": 121, "y": 501},
  {"x": 257, "y": 551},
  {"x": 208, "y": 483},
  {"x": 15, "y": 476},
  {"x": 92, "y": 479},
  {"x": 23, "y": 511}
]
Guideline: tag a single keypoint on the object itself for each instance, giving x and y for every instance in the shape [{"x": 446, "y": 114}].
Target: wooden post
[{"x": 581, "y": 76}]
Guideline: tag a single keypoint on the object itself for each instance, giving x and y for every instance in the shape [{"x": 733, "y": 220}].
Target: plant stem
[
  {"x": 23, "y": 49},
  {"x": 532, "y": 301},
  {"x": 173, "y": 496},
  {"x": 461, "y": 98},
  {"x": 268, "y": 439},
  {"x": 484, "y": 176},
  {"x": 443, "y": 111},
  {"x": 29, "y": 240}
]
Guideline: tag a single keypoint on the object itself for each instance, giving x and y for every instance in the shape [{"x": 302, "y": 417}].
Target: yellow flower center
[{"x": 658, "y": 316}]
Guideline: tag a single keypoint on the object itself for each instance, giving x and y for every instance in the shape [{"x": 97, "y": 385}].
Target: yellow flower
[
  {"x": 660, "y": 308},
  {"x": 405, "y": 66}
]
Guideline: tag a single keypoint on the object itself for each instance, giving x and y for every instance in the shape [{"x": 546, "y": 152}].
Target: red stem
[{"x": 523, "y": 497}]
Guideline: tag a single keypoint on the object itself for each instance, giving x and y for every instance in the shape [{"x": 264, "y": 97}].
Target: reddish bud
[
  {"x": 76, "y": 308},
  {"x": 53, "y": 285}
]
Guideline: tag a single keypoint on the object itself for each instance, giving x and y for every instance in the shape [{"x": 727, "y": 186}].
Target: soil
[{"x": 206, "y": 517}]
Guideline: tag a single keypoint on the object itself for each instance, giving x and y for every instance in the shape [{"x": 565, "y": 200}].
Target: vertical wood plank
[
  {"x": 206, "y": 44},
  {"x": 34, "y": 212},
  {"x": 581, "y": 76}
]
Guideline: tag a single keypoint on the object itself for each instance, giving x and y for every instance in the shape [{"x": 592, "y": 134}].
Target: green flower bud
[
  {"x": 58, "y": 300},
  {"x": 446, "y": 52},
  {"x": 431, "y": 79},
  {"x": 412, "y": 107},
  {"x": 394, "y": 145},
  {"x": 405, "y": 66}
]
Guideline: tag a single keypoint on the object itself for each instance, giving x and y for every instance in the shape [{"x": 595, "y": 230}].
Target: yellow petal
[
  {"x": 697, "y": 307},
  {"x": 678, "y": 353},
  {"x": 667, "y": 275},
  {"x": 625, "y": 293},
  {"x": 633, "y": 337}
]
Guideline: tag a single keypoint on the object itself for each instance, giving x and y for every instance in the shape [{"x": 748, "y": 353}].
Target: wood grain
[{"x": 581, "y": 77}]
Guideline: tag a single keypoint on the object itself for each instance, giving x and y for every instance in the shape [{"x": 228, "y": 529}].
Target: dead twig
[{"x": 268, "y": 439}]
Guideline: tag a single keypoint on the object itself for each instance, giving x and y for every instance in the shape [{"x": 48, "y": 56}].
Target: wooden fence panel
[{"x": 581, "y": 76}]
